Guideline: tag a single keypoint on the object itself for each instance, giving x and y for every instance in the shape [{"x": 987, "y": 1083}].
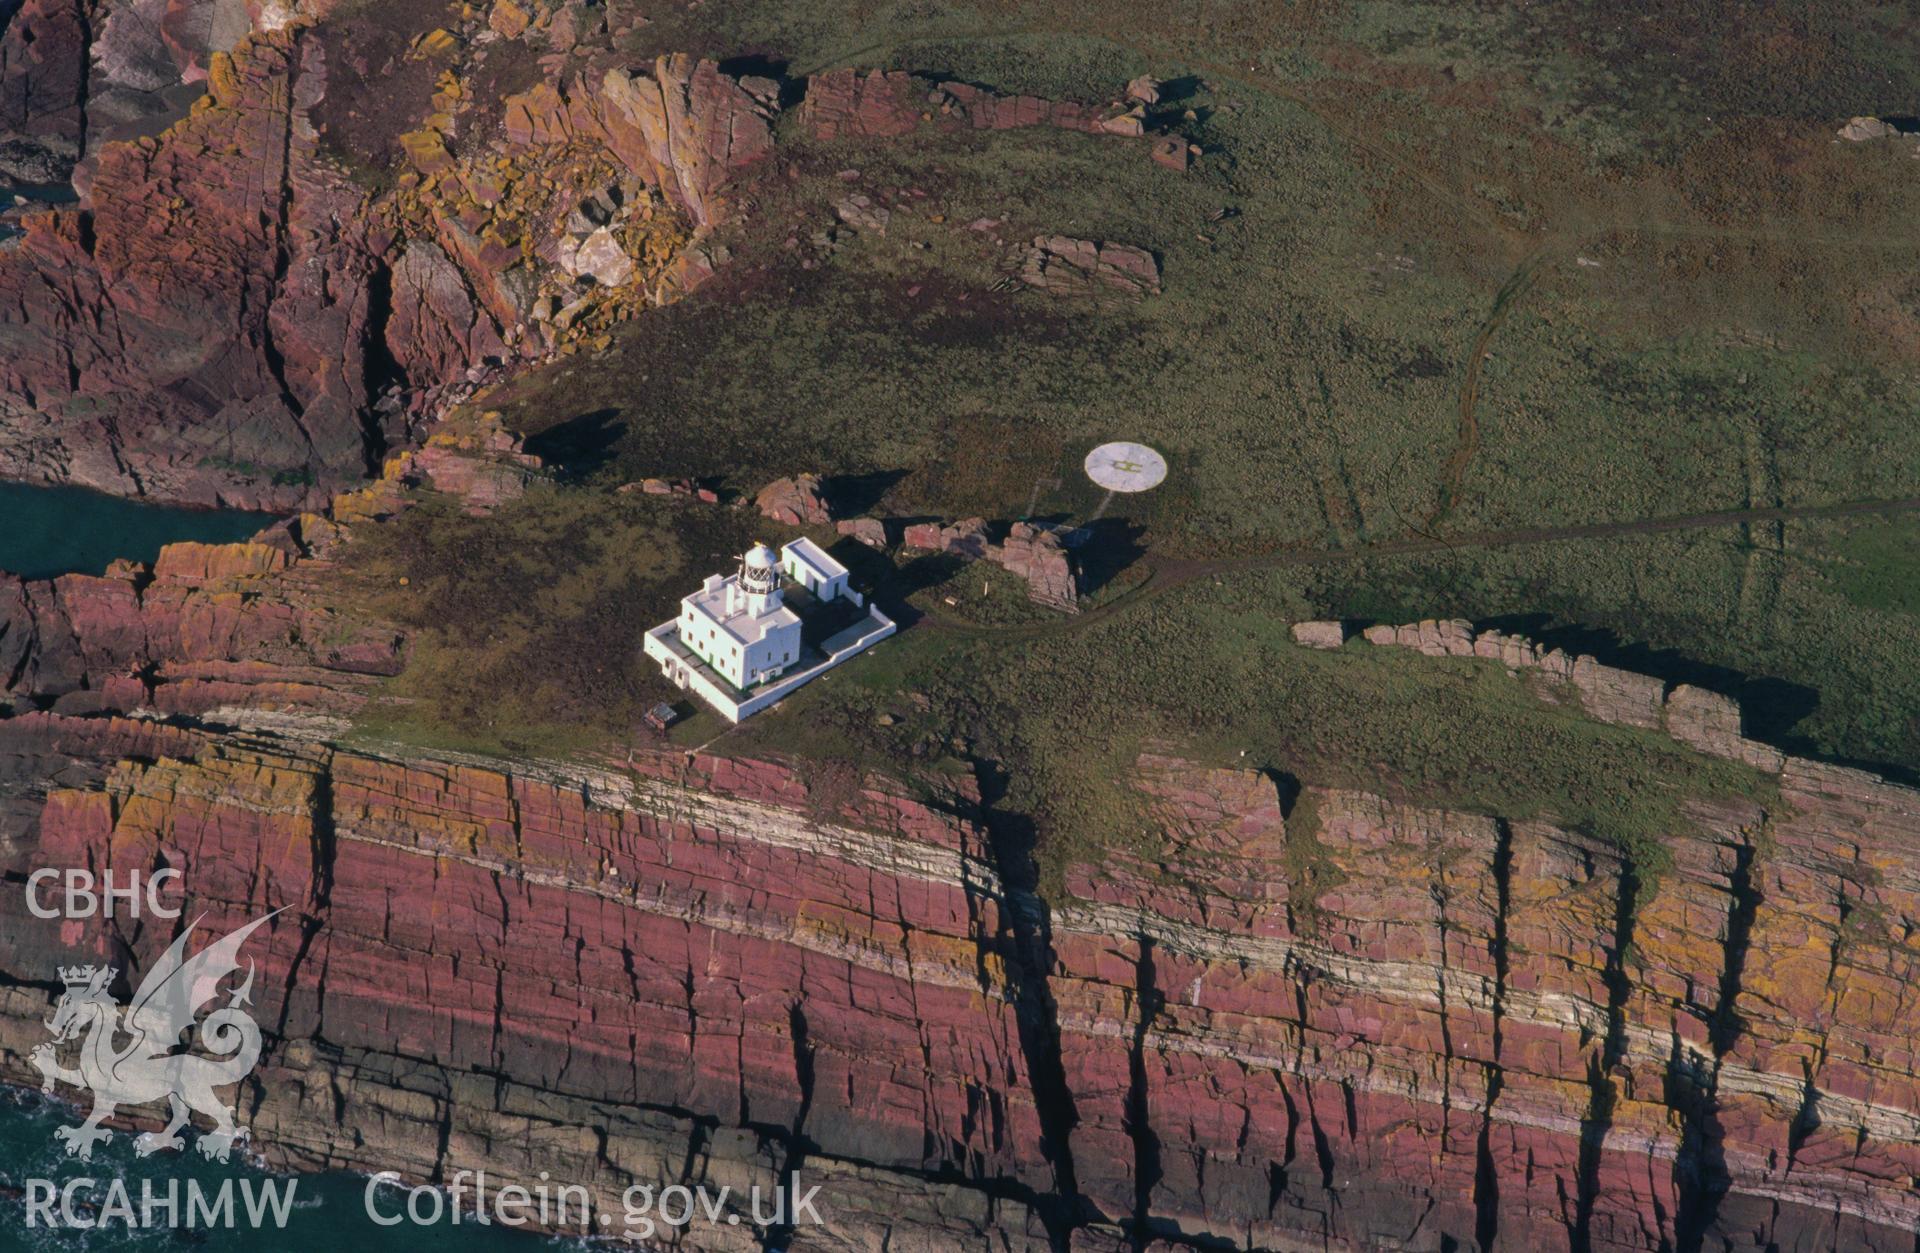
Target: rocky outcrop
[
  {"x": 1320, "y": 634},
  {"x": 1080, "y": 268},
  {"x": 43, "y": 82},
  {"x": 1033, "y": 553},
  {"x": 434, "y": 313},
  {"x": 225, "y": 633},
  {"x": 215, "y": 328},
  {"x": 154, "y": 347},
  {"x": 968, "y": 538},
  {"x": 1302, "y": 1017},
  {"x": 234, "y": 315},
  {"x": 149, "y": 59},
  {"x": 869, "y": 531},
  {"x": 599, "y": 986},
  {"x": 685, "y": 127},
  {"x": 77, "y": 74},
  {"x": 1698, "y": 718},
  {"x": 797, "y": 501},
  {"x": 688, "y": 127},
  {"x": 1866, "y": 129},
  {"x": 473, "y": 457},
  {"x": 1373, "y": 1025}
]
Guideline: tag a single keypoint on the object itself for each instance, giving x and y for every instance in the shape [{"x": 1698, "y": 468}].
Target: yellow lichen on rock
[
  {"x": 223, "y": 80},
  {"x": 508, "y": 19},
  {"x": 427, "y": 151},
  {"x": 435, "y": 43}
]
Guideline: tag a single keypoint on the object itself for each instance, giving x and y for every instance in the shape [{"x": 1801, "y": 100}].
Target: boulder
[
  {"x": 966, "y": 538},
  {"x": 1328, "y": 634},
  {"x": 599, "y": 255},
  {"x": 861, "y": 213},
  {"x": 797, "y": 501},
  {"x": 508, "y": 19},
  {"x": 1061, "y": 265},
  {"x": 1035, "y": 554},
  {"x": 869, "y": 531},
  {"x": 1863, "y": 129},
  {"x": 1171, "y": 151},
  {"x": 478, "y": 460},
  {"x": 574, "y": 24}
]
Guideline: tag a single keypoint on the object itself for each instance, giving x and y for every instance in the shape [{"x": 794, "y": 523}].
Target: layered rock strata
[
  {"x": 1318, "y": 1018},
  {"x": 219, "y": 633}
]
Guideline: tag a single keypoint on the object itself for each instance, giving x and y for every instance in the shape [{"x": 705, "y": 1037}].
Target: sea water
[
  {"x": 326, "y": 1212},
  {"x": 46, "y": 531}
]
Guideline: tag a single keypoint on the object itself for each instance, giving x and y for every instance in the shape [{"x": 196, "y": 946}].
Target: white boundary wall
[{"x": 841, "y": 648}]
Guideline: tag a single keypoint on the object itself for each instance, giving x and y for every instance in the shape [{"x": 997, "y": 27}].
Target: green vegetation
[
  {"x": 1537, "y": 269},
  {"x": 983, "y": 594},
  {"x": 1310, "y": 869},
  {"x": 1879, "y": 567},
  {"x": 1295, "y": 403},
  {"x": 1811, "y": 624},
  {"x": 526, "y": 623},
  {"x": 291, "y": 476},
  {"x": 1211, "y": 668}
]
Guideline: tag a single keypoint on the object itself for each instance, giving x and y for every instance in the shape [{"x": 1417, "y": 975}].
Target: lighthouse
[
  {"x": 740, "y": 625},
  {"x": 742, "y": 647}
]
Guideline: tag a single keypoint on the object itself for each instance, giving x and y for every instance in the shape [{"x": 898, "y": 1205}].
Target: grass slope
[{"x": 1441, "y": 267}]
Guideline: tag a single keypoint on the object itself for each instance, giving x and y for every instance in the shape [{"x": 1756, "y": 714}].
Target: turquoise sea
[
  {"x": 327, "y": 1213},
  {"x": 46, "y": 531}
]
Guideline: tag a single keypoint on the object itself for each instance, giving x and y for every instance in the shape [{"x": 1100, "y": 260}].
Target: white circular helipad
[{"x": 1126, "y": 467}]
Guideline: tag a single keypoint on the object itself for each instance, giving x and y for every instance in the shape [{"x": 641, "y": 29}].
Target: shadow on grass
[
  {"x": 762, "y": 65},
  {"x": 892, "y": 585},
  {"x": 1109, "y": 548},
  {"x": 852, "y": 495},
  {"x": 578, "y": 447},
  {"x": 1771, "y": 708}
]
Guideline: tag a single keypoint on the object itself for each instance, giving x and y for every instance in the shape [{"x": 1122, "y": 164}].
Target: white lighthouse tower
[{"x": 760, "y": 580}]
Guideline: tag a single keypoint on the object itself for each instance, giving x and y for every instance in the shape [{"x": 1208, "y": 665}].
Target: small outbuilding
[{"x": 808, "y": 565}]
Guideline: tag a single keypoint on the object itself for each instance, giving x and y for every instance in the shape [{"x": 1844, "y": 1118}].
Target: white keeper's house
[{"x": 740, "y": 646}]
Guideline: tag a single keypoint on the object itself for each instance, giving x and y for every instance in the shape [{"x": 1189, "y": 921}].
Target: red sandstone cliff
[{"x": 1327, "y": 1020}]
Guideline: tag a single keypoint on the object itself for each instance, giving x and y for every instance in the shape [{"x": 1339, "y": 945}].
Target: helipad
[{"x": 1126, "y": 467}]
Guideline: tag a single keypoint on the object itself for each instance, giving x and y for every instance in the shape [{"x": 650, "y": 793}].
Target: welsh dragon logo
[{"x": 146, "y": 1067}]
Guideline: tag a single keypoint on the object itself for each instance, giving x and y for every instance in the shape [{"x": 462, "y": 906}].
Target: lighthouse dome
[{"x": 760, "y": 571}]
